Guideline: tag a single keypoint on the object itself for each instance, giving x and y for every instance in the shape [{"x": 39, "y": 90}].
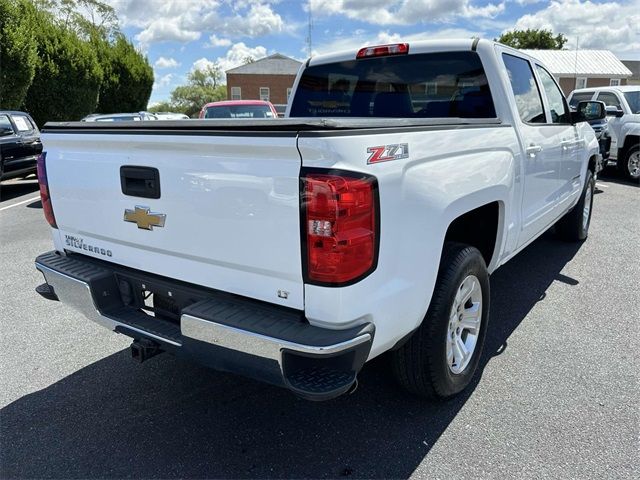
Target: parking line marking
[
  {"x": 599, "y": 185},
  {"x": 20, "y": 203}
]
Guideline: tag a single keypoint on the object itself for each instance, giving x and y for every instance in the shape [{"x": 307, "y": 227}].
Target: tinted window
[
  {"x": 580, "y": 97},
  {"x": 557, "y": 106},
  {"x": 239, "y": 111},
  {"x": 5, "y": 126},
  {"x": 633, "y": 99},
  {"x": 449, "y": 84},
  {"x": 524, "y": 89},
  {"x": 609, "y": 99}
]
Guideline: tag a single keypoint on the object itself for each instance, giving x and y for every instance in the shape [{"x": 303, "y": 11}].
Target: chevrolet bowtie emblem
[{"x": 143, "y": 218}]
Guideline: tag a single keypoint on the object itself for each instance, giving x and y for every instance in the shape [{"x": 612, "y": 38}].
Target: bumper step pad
[{"x": 223, "y": 331}]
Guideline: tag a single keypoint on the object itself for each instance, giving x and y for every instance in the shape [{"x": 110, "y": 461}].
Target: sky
[{"x": 180, "y": 35}]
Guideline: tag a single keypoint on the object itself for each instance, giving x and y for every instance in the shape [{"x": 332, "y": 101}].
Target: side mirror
[
  {"x": 614, "y": 111},
  {"x": 590, "y": 110}
]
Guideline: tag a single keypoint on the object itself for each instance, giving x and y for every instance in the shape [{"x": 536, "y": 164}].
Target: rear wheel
[
  {"x": 574, "y": 226},
  {"x": 440, "y": 358}
]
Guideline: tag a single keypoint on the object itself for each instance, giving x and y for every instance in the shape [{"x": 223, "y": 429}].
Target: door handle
[{"x": 533, "y": 149}]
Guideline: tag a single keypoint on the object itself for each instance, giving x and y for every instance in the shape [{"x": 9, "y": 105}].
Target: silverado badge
[{"x": 143, "y": 218}]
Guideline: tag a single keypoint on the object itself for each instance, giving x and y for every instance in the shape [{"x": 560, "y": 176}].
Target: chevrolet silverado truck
[{"x": 294, "y": 250}]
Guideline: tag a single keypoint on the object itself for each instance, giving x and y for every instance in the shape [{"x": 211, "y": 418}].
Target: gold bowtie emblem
[{"x": 143, "y": 218}]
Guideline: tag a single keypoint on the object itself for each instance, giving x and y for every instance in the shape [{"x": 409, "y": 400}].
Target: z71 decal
[{"x": 386, "y": 153}]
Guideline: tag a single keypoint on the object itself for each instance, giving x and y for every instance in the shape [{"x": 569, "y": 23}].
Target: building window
[
  {"x": 581, "y": 82},
  {"x": 264, "y": 94},
  {"x": 288, "y": 93},
  {"x": 614, "y": 82},
  {"x": 236, "y": 93},
  {"x": 431, "y": 89}
]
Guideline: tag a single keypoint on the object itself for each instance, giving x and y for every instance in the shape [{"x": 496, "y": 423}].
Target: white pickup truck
[
  {"x": 294, "y": 250},
  {"x": 623, "y": 125}
]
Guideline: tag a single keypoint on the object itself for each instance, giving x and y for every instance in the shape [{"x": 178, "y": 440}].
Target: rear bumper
[{"x": 222, "y": 331}]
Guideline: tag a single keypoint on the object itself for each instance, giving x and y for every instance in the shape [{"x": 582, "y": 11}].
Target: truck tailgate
[{"x": 231, "y": 203}]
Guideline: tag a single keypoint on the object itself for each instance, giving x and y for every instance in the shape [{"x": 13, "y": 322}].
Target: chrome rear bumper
[{"x": 225, "y": 332}]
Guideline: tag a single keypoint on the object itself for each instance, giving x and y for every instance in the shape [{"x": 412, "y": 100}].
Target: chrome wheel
[
  {"x": 586, "y": 211},
  {"x": 633, "y": 164},
  {"x": 464, "y": 324}
]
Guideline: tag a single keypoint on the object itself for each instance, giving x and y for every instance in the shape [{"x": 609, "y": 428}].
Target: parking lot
[{"x": 556, "y": 396}]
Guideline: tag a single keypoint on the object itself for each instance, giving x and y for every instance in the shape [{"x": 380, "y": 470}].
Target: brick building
[
  {"x": 583, "y": 68},
  {"x": 269, "y": 78}
]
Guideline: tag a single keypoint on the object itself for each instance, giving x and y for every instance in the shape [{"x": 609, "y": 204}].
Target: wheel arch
[{"x": 479, "y": 227}]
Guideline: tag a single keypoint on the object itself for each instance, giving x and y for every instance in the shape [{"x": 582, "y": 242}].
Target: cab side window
[
  {"x": 525, "y": 89},
  {"x": 557, "y": 104},
  {"x": 610, "y": 99},
  {"x": 5, "y": 126}
]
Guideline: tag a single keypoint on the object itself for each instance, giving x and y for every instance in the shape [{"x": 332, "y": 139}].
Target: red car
[{"x": 239, "y": 109}]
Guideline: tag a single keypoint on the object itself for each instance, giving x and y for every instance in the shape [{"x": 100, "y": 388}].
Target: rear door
[
  {"x": 228, "y": 205},
  {"x": 541, "y": 146},
  {"x": 29, "y": 136}
]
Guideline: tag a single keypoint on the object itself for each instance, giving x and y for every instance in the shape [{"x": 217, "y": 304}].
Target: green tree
[
  {"x": 533, "y": 39},
  {"x": 67, "y": 78},
  {"x": 128, "y": 76},
  {"x": 164, "y": 106},
  {"x": 203, "y": 87},
  {"x": 18, "y": 51}
]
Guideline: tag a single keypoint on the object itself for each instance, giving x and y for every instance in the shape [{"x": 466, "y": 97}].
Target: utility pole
[{"x": 309, "y": 42}]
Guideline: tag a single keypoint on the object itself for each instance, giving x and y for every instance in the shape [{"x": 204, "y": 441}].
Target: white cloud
[
  {"x": 404, "y": 12},
  {"x": 186, "y": 20},
  {"x": 238, "y": 54},
  {"x": 202, "y": 64},
  {"x": 214, "y": 41},
  {"x": 163, "y": 62},
  {"x": 590, "y": 22},
  {"x": 163, "y": 81},
  {"x": 163, "y": 30}
]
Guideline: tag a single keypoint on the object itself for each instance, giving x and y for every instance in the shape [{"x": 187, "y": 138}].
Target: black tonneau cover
[{"x": 264, "y": 125}]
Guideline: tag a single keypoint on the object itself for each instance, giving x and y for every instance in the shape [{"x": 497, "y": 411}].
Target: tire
[
  {"x": 574, "y": 226},
  {"x": 630, "y": 165},
  {"x": 423, "y": 365}
]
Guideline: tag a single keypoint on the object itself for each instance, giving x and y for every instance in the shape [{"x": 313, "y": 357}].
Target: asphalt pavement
[{"x": 556, "y": 395}]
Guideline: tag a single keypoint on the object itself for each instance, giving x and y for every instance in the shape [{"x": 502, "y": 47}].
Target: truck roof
[{"x": 620, "y": 88}]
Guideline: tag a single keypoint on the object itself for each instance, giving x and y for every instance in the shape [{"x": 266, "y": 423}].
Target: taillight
[
  {"x": 383, "y": 50},
  {"x": 44, "y": 190},
  {"x": 340, "y": 226}
]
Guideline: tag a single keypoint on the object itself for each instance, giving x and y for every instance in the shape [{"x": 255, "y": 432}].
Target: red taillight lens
[
  {"x": 340, "y": 215},
  {"x": 383, "y": 50},
  {"x": 44, "y": 190}
]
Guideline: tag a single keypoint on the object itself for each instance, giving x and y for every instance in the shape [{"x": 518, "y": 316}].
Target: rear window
[
  {"x": 429, "y": 85},
  {"x": 239, "y": 111}
]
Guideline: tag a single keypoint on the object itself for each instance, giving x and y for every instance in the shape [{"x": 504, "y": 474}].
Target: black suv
[{"x": 19, "y": 144}]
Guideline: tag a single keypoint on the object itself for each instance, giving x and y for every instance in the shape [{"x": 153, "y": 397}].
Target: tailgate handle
[{"x": 140, "y": 181}]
